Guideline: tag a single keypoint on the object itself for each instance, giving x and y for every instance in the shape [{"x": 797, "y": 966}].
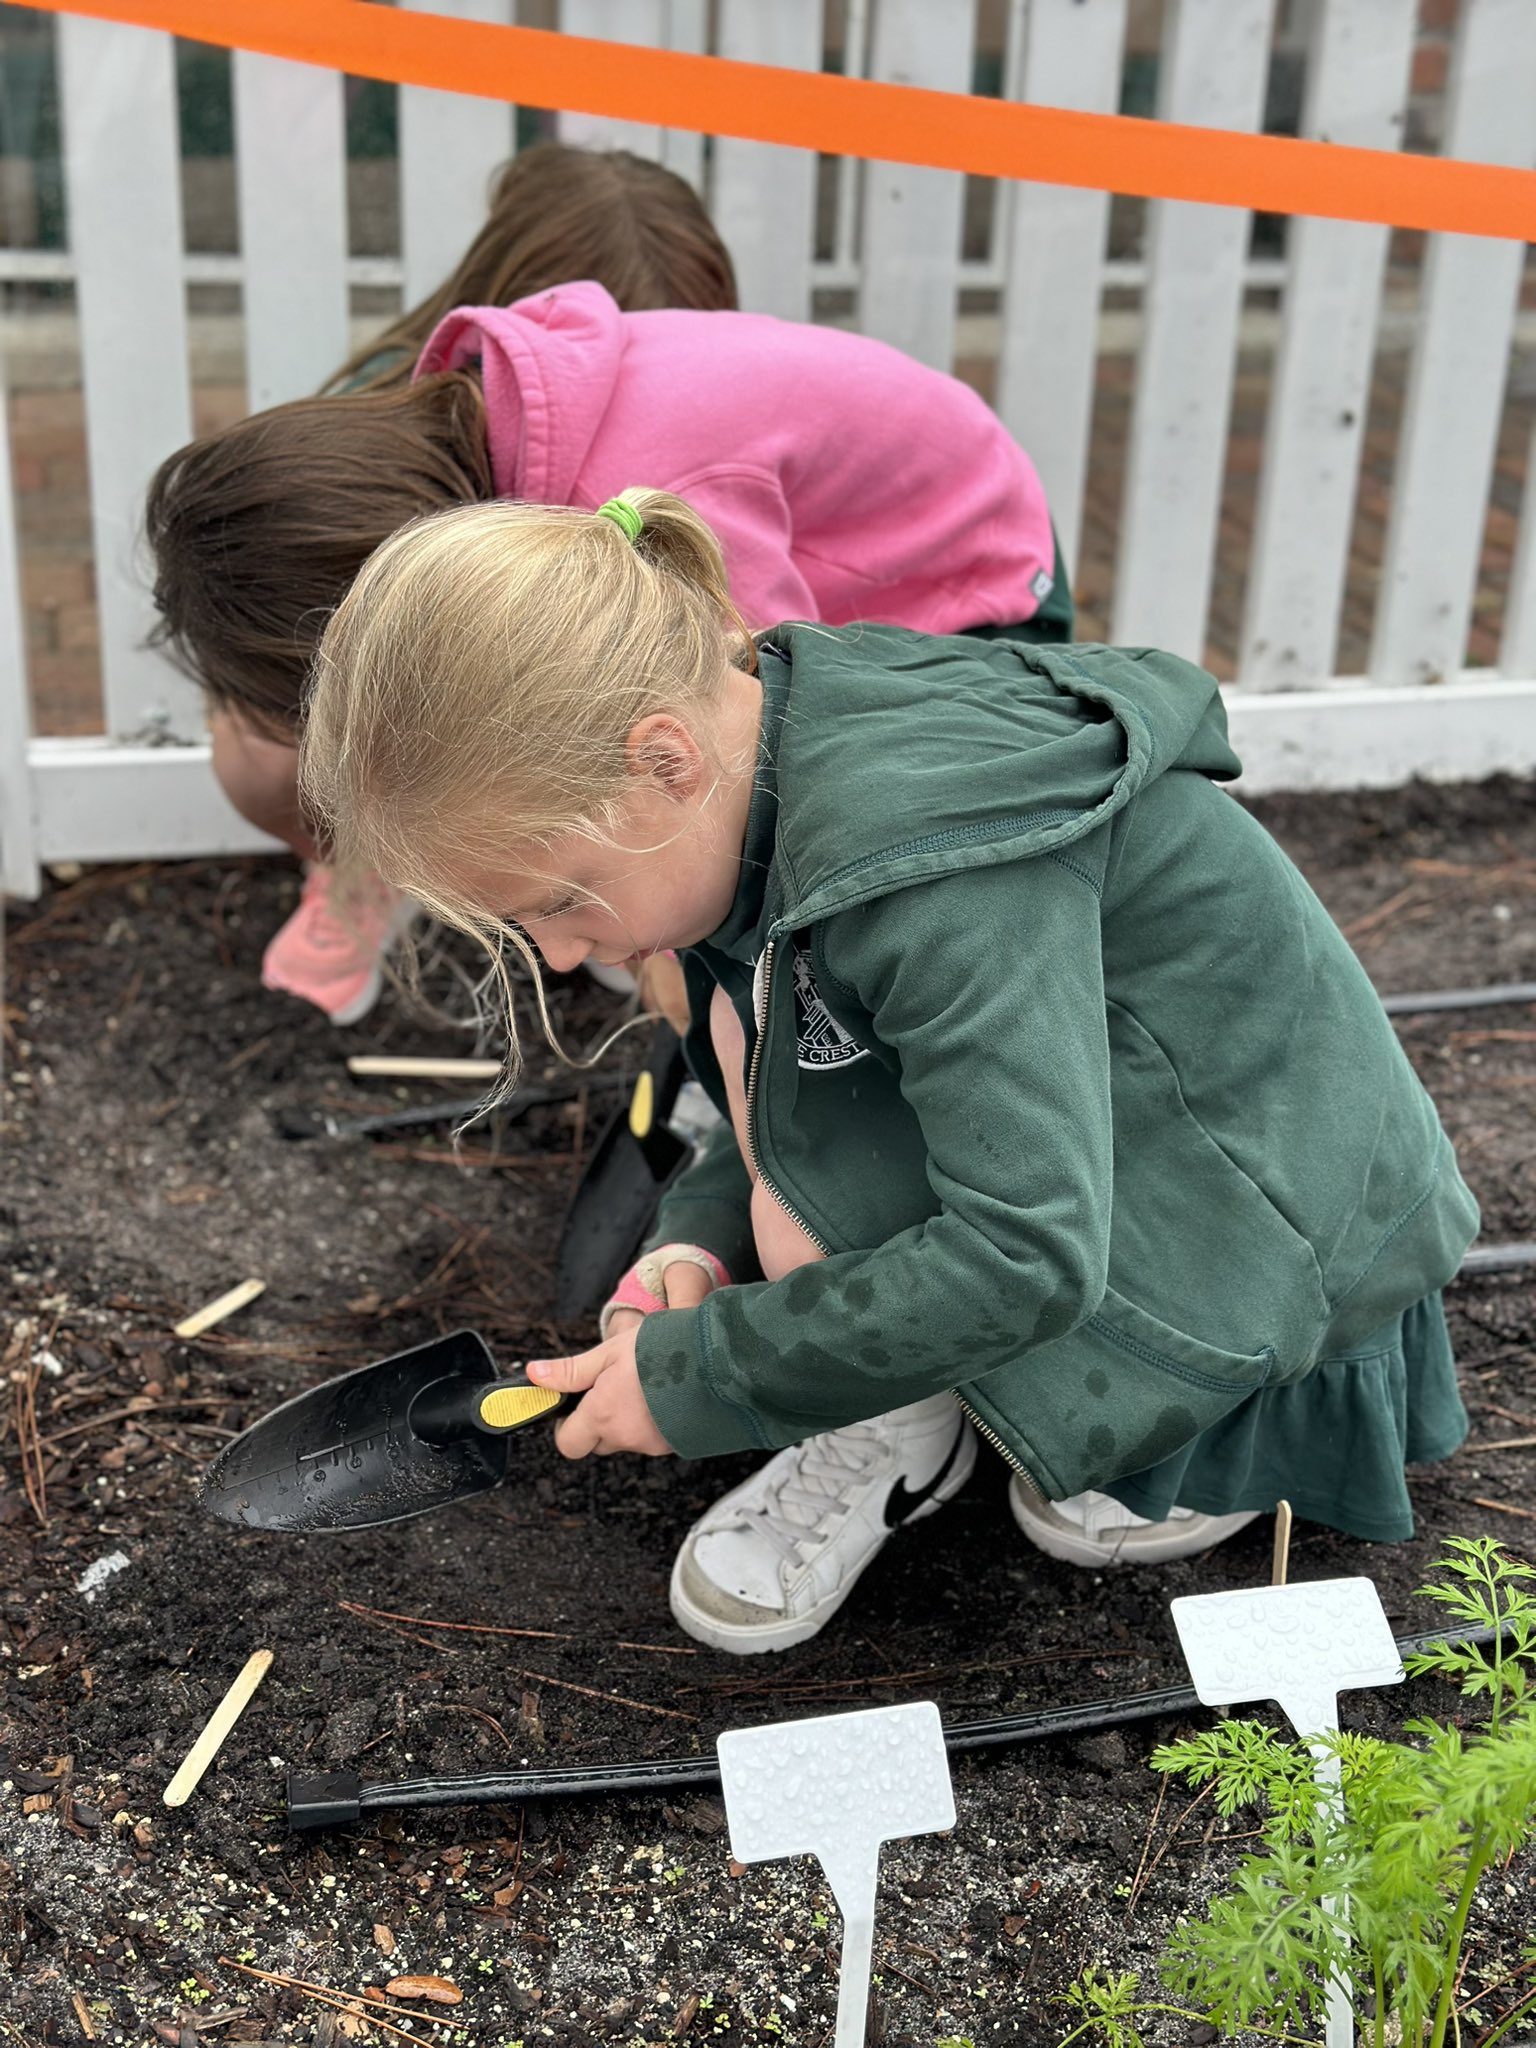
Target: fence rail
[{"x": 891, "y": 245}]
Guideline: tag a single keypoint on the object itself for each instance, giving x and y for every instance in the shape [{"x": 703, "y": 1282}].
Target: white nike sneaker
[
  {"x": 777, "y": 1557},
  {"x": 1094, "y": 1529}
]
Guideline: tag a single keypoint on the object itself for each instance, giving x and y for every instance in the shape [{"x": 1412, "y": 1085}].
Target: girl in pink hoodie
[{"x": 845, "y": 482}]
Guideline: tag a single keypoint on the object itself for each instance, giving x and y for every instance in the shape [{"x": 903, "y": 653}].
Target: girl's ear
[{"x": 663, "y": 751}]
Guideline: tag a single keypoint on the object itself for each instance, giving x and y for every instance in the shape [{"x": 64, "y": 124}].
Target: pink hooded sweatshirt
[{"x": 844, "y": 480}]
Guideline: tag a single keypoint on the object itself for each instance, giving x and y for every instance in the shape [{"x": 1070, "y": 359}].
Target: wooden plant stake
[
  {"x": 216, "y": 1311},
  {"x": 1300, "y": 1646},
  {"x": 836, "y": 1787},
  {"x": 415, "y": 1067},
  {"x": 220, "y": 1721},
  {"x": 1281, "y": 1561}
]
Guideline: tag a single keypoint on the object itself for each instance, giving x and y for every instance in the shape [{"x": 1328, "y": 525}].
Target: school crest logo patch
[{"x": 820, "y": 1041}]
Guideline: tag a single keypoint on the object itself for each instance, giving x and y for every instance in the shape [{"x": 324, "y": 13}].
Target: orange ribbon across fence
[{"x": 855, "y": 117}]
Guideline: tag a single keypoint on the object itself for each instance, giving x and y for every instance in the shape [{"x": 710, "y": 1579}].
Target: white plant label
[
  {"x": 1300, "y": 1646},
  {"x": 836, "y": 1787}
]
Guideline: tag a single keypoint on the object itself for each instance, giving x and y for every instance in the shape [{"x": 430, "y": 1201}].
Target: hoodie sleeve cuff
[{"x": 695, "y": 1420}]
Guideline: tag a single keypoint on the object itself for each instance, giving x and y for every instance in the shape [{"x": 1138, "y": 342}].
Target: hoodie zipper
[
  {"x": 761, "y": 1007},
  {"x": 1031, "y": 1484}
]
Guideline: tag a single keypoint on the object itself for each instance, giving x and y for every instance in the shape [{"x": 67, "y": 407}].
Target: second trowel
[{"x": 637, "y": 1159}]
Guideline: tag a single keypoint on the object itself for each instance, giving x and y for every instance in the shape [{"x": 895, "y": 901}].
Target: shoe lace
[{"x": 802, "y": 1506}]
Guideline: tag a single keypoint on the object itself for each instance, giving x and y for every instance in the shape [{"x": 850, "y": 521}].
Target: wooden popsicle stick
[
  {"x": 215, "y": 1311},
  {"x": 408, "y": 1067},
  {"x": 1281, "y": 1562},
  {"x": 222, "y": 1719}
]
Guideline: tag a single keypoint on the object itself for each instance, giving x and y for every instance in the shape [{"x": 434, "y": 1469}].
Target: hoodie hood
[
  {"x": 549, "y": 365},
  {"x": 1001, "y": 750}
]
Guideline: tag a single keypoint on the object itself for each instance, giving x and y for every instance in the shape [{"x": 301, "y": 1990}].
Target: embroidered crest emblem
[{"x": 820, "y": 1041}]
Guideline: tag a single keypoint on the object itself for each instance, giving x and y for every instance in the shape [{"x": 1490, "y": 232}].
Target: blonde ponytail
[{"x": 676, "y": 540}]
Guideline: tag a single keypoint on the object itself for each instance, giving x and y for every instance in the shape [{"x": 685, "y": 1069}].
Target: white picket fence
[{"x": 144, "y": 788}]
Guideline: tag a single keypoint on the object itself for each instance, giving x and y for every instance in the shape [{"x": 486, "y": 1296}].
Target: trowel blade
[{"x": 343, "y": 1455}]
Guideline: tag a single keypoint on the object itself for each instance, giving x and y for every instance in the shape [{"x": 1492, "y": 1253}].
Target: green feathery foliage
[{"x": 1422, "y": 1821}]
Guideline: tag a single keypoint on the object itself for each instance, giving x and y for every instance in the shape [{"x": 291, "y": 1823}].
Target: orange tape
[{"x": 855, "y": 117}]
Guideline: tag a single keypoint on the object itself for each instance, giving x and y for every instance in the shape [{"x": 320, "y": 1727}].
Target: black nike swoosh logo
[{"x": 901, "y": 1502}]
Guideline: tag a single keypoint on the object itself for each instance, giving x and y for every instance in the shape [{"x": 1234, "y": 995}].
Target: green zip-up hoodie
[{"x": 1059, "y": 1058}]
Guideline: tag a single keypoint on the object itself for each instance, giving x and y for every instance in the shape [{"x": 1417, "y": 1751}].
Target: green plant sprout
[{"x": 1422, "y": 1823}]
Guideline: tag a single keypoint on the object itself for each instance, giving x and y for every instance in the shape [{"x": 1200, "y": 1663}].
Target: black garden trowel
[
  {"x": 637, "y": 1159},
  {"x": 412, "y": 1433}
]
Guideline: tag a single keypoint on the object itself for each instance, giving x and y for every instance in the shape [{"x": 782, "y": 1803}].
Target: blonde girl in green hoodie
[{"x": 1057, "y": 1110}]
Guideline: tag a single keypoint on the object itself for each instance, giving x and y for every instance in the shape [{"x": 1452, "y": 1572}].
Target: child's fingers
[
  {"x": 570, "y": 1375},
  {"x": 622, "y": 1319},
  {"x": 576, "y": 1433},
  {"x": 686, "y": 1284}
]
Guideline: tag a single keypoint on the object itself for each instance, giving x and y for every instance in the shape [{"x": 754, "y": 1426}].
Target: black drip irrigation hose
[
  {"x": 1459, "y": 998},
  {"x": 337, "y": 1798}
]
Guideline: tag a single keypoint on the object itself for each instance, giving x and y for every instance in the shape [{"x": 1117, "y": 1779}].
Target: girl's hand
[
  {"x": 611, "y": 1415},
  {"x": 678, "y": 1283}
]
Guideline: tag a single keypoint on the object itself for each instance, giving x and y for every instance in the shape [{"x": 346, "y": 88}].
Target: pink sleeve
[{"x": 751, "y": 518}]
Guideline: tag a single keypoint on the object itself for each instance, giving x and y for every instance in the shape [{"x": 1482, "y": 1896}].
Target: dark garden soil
[{"x": 146, "y": 1172}]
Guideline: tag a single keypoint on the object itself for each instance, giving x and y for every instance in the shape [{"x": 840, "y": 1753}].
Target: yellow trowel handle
[{"x": 512, "y": 1403}]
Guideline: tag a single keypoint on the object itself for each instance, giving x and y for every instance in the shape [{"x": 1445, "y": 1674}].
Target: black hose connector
[{"x": 324, "y": 1799}]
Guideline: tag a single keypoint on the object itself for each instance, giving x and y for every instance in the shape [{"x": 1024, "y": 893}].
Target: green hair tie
[{"x": 628, "y": 518}]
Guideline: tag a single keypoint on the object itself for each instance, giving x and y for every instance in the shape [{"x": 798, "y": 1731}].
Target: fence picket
[
  {"x": 912, "y": 216},
  {"x": 613, "y": 21},
  {"x": 18, "y": 848},
  {"x": 687, "y": 29},
  {"x": 1357, "y": 85},
  {"x": 118, "y": 104},
  {"x": 450, "y": 147},
  {"x": 1070, "y": 57},
  {"x": 660, "y": 25},
  {"x": 849, "y": 191},
  {"x": 1215, "y": 56},
  {"x": 764, "y": 198},
  {"x": 292, "y": 167},
  {"x": 1456, "y": 385},
  {"x": 1517, "y": 653}
]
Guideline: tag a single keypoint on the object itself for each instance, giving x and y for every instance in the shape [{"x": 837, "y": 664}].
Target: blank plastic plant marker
[
  {"x": 410, "y": 1067},
  {"x": 837, "y": 1787},
  {"x": 1300, "y": 1646},
  {"x": 220, "y": 1721},
  {"x": 215, "y": 1311}
]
